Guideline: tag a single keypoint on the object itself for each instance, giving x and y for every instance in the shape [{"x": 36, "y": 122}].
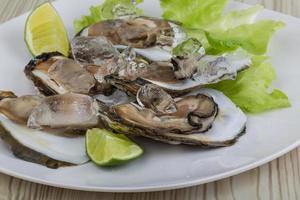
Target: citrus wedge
[
  {"x": 107, "y": 149},
  {"x": 45, "y": 31}
]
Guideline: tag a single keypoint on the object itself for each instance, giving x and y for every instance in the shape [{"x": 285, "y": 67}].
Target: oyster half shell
[
  {"x": 41, "y": 147},
  {"x": 220, "y": 127},
  {"x": 54, "y": 74},
  {"x": 152, "y": 38},
  {"x": 182, "y": 76}
]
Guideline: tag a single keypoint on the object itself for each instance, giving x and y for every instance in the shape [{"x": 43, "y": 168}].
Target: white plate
[{"x": 269, "y": 135}]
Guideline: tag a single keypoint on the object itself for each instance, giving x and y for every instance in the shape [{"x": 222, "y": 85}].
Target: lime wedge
[
  {"x": 45, "y": 31},
  {"x": 107, "y": 149}
]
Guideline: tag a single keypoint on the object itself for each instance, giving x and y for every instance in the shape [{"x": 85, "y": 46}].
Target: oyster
[
  {"x": 67, "y": 111},
  {"x": 41, "y": 147},
  {"x": 204, "y": 117},
  {"x": 199, "y": 70},
  {"x": 152, "y": 38},
  {"x": 54, "y": 74},
  {"x": 18, "y": 109},
  {"x": 182, "y": 75}
]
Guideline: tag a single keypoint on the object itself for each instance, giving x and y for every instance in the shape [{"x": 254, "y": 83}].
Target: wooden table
[{"x": 279, "y": 179}]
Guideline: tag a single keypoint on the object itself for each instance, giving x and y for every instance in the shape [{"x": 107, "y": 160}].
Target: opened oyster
[
  {"x": 53, "y": 74},
  {"x": 183, "y": 74},
  {"x": 67, "y": 113},
  {"x": 204, "y": 117},
  {"x": 152, "y": 38},
  {"x": 42, "y": 147},
  {"x": 51, "y": 150}
]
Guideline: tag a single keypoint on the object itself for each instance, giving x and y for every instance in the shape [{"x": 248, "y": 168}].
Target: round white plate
[{"x": 268, "y": 136}]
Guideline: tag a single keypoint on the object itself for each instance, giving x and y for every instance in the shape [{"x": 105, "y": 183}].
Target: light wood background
[{"x": 278, "y": 179}]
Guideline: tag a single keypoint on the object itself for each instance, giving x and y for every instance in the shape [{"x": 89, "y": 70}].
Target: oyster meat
[
  {"x": 204, "y": 117},
  {"x": 152, "y": 38},
  {"x": 18, "y": 109},
  {"x": 53, "y": 74},
  {"x": 67, "y": 111}
]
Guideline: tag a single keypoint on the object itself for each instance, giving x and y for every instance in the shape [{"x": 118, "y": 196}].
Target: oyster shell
[
  {"x": 204, "y": 117},
  {"x": 67, "y": 111},
  {"x": 54, "y": 74},
  {"x": 41, "y": 147},
  {"x": 182, "y": 76},
  {"x": 201, "y": 70},
  {"x": 152, "y": 38},
  {"x": 18, "y": 109}
]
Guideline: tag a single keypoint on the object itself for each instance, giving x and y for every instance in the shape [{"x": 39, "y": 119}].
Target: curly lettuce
[
  {"x": 193, "y": 13},
  {"x": 110, "y": 9},
  {"x": 236, "y": 29},
  {"x": 254, "y": 38},
  {"x": 234, "y": 19},
  {"x": 94, "y": 17},
  {"x": 251, "y": 89}
]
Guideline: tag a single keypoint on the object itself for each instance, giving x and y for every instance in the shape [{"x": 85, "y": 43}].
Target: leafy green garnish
[
  {"x": 193, "y": 13},
  {"x": 110, "y": 9},
  {"x": 234, "y": 19},
  {"x": 94, "y": 17},
  {"x": 222, "y": 32},
  {"x": 254, "y": 38},
  {"x": 250, "y": 91}
]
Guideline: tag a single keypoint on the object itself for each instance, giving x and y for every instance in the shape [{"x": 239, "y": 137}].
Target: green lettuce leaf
[
  {"x": 252, "y": 37},
  {"x": 94, "y": 17},
  {"x": 108, "y": 10},
  {"x": 193, "y": 13},
  {"x": 223, "y": 33},
  {"x": 234, "y": 19},
  {"x": 251, "y": 90}
]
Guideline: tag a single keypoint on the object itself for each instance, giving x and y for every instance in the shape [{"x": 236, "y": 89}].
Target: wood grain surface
[{"x": 278, "y": 179}]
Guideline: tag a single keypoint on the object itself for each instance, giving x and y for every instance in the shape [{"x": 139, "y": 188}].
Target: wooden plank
[{"x": 279, "y": 179}]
